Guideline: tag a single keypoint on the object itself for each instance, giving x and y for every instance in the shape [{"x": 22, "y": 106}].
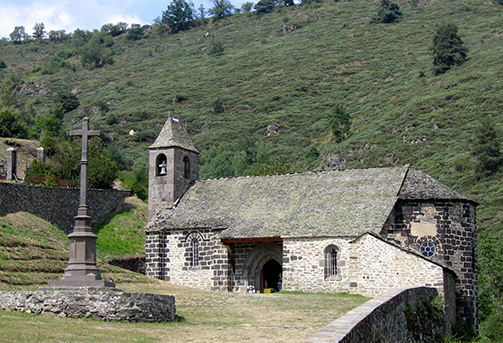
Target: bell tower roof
[{"x": 174, "y": 134}]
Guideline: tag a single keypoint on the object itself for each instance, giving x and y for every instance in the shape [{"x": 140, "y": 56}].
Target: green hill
[{"x": 290, "y": 69}]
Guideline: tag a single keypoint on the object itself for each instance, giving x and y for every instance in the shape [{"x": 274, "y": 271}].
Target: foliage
[
  {"x": 487, "y": 148},
  {"x": 114, "y": 29},
  {"x": 221, "y": 9},
  {"x": 11, "y": 125},
  {"x": 448, "y": 48},
  {"x": 39, "y": 31},
  {"x": 247, "y": 6},
  {"x": 18, "y": 35},
  {"x": 58, "y": 36},
  {"x": 2, "y": 64},
  {"x": 69, "y": 101},
  {"x": 135, "y": 32},
  {"x": 340, "y": 123},
  {"x": 178, "y": 15},
  {"x": 388, "y": 12},
  {"x": 95, "y": 57},
  {"x": 102, "y": 170},
  {"x": 265, "y": 6},
  {"x": 217, "y": 49}
]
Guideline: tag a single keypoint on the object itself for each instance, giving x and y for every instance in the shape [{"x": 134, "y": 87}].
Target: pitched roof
[
  {"x": 173, "y": 134},
  {"x": 342, "y": 203}
]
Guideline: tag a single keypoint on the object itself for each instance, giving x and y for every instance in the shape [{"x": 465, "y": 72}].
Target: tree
[
  {"x": 95, "y": 57},
  {"x": 448, "y": 49},
  {"x": 18, "y": 35},
  {"x": 265, "y": 6},
  {"x": 247, "y": 6},
  {"x": 487, "y": 148},
  {"x": 388, "y": 12},
  {"x": 102, "y": 170},
  {"x": 340, "y": 123},
  {"x": 221, "y": 9},
  {"x": 38, "y": 31},
  {"x": 57, "y": 36},
  {"x": 11, "y": 125},
  {"x": 178, "y": 15}
]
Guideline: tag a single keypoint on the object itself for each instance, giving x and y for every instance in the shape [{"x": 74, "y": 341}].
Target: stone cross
[
  {"x": 85, "y": 133},
  {"x": 82, "y": 270}
]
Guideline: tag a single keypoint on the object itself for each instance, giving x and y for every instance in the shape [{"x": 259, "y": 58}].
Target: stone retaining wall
[
  {"x": 59, "y": 205},
  {"x": 397, "y": 315},
  {"x": 104, "y": 305}
]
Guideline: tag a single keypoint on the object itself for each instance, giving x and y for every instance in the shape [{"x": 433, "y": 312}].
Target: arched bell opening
[{"x": 161, "y": 163}]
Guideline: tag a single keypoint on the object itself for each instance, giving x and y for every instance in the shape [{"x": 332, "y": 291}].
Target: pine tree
[{"x": 448, "y": 48}]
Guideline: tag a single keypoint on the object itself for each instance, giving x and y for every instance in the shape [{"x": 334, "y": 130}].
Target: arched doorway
[{"x": 270, "y": 275}]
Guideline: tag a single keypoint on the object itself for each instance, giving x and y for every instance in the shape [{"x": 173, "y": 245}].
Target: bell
[{"x": 163, "y": 169}]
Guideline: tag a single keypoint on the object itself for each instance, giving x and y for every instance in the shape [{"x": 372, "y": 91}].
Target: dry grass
[{"x": 202, "y": 316}]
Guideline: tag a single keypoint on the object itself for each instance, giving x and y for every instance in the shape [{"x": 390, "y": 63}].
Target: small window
[
  {"x": 331, "y": 253},
  {"x": 186, "y": 167},
  {"x": 428, "y": 249},
  {"x": 194, "y": 240},
  {"x": 161, "y": 163}
]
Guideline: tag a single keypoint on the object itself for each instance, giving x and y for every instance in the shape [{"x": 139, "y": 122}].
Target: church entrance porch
[{"x": 261, "y": 265}]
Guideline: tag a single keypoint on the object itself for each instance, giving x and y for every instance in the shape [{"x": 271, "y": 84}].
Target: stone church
[{"x": 361, "y": 231}]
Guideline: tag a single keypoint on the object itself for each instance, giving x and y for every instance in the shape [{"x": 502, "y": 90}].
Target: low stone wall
[
  {"x": 134, "y": 264},
  {"x": 398, "y": 315},
  {"x": 59, "y": 205},
  {"x": 104, "y": 305}
]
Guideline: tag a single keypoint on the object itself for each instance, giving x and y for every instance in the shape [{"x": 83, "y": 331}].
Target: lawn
[{"x": 202, "y": 316}]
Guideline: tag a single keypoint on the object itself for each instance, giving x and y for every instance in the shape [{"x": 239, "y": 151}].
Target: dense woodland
[{"x": 280, "y": 87}]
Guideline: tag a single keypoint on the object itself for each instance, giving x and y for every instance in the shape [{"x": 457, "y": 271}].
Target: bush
[
  {"x": 388, "y": 12},
  {"x": 340, "y": 123},
  {"x": 265, "y": 6},
  {"x": 448, "y": 49}
]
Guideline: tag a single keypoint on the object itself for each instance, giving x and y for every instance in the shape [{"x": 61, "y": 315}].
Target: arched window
[
  {"x": 194, "y": 241},
  {"x": 186, "y": 167},
  {"x": 331, "y": 253},
  {"x": 161, "y": 165}
]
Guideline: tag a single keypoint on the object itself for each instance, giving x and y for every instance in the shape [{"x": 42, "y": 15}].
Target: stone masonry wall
[
  {"x": 451, "y": 227},
  {"x": 396, "y": 316},
  {"x": 59, "y": 205},
  {"x": 367, "y": 266},
  {"x": 169, "y": 255},
  {"x": 106, "y": 305}
]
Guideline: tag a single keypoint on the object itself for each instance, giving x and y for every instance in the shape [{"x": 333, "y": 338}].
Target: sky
[{"x": 69, "y": 15}]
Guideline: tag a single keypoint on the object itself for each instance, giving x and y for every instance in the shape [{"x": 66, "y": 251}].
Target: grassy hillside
[{"x": 33, "y": 251}]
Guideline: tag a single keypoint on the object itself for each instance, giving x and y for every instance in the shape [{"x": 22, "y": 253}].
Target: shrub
[
  {"x": 448, "y": 48},
  {"x": 340, "y": 123},
  {"x": 265, "y": 6},
  {"x": 388, "y": 12}
]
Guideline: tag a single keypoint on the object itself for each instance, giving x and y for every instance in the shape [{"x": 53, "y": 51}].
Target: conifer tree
[{"x": 448, "y": 49}]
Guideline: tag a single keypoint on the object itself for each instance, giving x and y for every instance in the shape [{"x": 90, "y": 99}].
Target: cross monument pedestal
[{"x": 82, "y": 270}]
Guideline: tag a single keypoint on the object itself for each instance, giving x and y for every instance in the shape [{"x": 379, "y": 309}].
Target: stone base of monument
[
  {"x": 88, "y": 302},
  {"x": 66, "y": 284}
]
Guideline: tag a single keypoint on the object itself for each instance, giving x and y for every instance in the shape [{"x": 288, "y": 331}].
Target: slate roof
[
  {"x": 421, "y": 186},
  {"x": 322, "y": 204},
  {"x": 173, "y": 134},
  {"x": 342, "y": 203}
]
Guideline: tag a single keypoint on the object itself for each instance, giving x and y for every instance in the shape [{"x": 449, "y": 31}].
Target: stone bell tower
[{"x": 173, "y": 166}]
